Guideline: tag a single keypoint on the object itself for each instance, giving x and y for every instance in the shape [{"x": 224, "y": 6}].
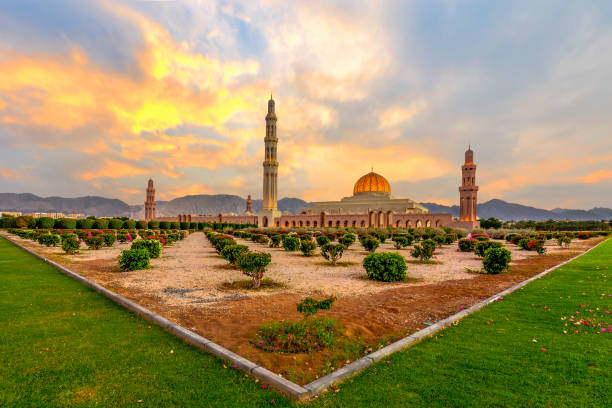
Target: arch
[
  {"x": 278, "y": 223},
  {"x": 397, "y": 223},
  {"x": 308, "y": 223},
  {"x": 329, "y": 223},
  {"x": 362, "y": 223},
  {"x": 314, "y": 223},
  {"x": 265, "y": 221},
  {"x": 437, "y": 223},
  {"x": 286, "y": 223},
  {"x": 338, "y": 223},
  {"x": 419, "y": 223},
  {"x": 301, "y": 224},
  {"x": 428, "y": 223},
  {"x": 354, "y": 223},
  {"x": 293, "y": 223},
  {"x": 345, "y": 223}
]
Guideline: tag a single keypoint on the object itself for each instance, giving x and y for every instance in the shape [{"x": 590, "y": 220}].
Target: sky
[{"x": 97, "y": 96}]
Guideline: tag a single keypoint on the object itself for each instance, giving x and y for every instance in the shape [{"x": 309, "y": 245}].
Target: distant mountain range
[{"x": 228, "y": 204}]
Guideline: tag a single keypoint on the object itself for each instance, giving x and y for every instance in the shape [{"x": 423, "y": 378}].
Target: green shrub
[
  {"x": 45, "y": 222},
  {"x": 254, "y": 264},
  {"x": 223, "y": 242},
  {"x": 310, "y": 306},
  {"x": 303, "y": 336},
  {"x": 381, "y": 236},
  {"x": 481, "y": 247},
  {"x": 322, "y": 240},
  {"x": 564, "y": 240},
  {"x": 152, "y": 246},
  {"x": 369, "y": 243},
  {"x": 347, "y": 240},
  {"x": 134, "y": 259},
  {"x": 401, "y": 241},
  {"x": 275, "y": 240},
  {"x": 424, "y": 250},
  {"x": 260, "y": 238},
  {"x": 496, "y": 260},
  {"x": 466, "y": 244},
  {"x": 142, "y": 225},
  {"x": 332, "y": 252},
  {"x": 115, "y": 223},
  {"x": 129, "y": 224},
  {"x": 291, "y": 244},
  {"x": 385, "y": 266},
  {"x": 164, "y": 225},
  {"x": 524, "y": 243},
  {"x": 153, "y": 224},
  {"x": 184, "y": 225},
  {"x": 101, "y": 223},
  {"x": 231, "y": 253},
  {"x": 109, "y": 239},
  {"x": 439, "y": 240},
  {"x": 175, "y": 225},
  {"x": 308, "y": 247},
  {"x": 94, "y": 242},
  {"x": 70, "y": 244},
  {"x": 49, "y": 239},
  {"x": 86, "y": 223},
  {"x": 67, "y": 223},
  {"x": 25, "y": 221}
]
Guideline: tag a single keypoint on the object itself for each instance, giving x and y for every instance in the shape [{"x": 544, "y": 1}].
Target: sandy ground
[{"x": 191, "y": 272}]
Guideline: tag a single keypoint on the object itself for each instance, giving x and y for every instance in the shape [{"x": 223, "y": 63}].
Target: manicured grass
[
  {"x": 491, "y": 359},
  {"x": 61, "y": 344}
]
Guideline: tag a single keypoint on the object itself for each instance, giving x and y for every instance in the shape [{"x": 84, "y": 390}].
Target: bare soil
[{"x": 188, "y": 284}]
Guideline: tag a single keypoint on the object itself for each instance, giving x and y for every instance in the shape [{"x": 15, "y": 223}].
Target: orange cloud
[
  {"x": 395, "y": 115},
  {"x": 10, "y": 174},
  {"x": 193, "y": 189},
  {"x": 598, "y": 176},
  {"x": 113, "y": 169}
]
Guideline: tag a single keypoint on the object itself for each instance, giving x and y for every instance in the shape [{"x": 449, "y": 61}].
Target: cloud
[
  {"x": 597, "y": 176},
  {"x": 395, "y": 115},
  {"x": 113, "y": 170},
  {"x": 10, "y": 174}
]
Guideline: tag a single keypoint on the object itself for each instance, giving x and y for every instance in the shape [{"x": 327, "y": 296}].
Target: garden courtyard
[{"x": 193, "y": 286}]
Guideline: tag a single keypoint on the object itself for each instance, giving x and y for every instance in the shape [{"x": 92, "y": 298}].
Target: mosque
[{"x": 370, "y": 206}]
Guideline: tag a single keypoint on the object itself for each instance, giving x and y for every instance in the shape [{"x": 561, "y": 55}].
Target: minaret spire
[
  {"x": 468, "y": 190},
  {"x": 270, "y": 164}
]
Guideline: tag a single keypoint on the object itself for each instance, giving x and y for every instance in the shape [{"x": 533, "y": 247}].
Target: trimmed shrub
[
  {"x": 308, "y": 247},
  {"x": 175, "y": 225},
  {"x": 231, "y": 253},
  {"x": 291, "y": 244},
  {"x": 564, "y": 240},
  {"x": 424, "y": 250},
  {"x": 49, "y": 239},
  {"x": 466, "y": 244},
  {"x": 481, "y": 247},
  {"x": 86, "y": 223},
  {"x": 322, "y": 240},
  {"x": 369, "y": 243},
  {"x": 70, "y": 244},
  {"x": 129, "y": 224},
  {"x": 401, "y": 241},
  {"x": 153, "y": 224},
  {"x": 275, "y": 240},
  {"x": 524, "y": 243},
  {"x": 152, "y": 246},
  {"x": 223, "y": 242},
  {"x": 496, "y": 260},
  {"x": 101, "y": 223},
  {"x": 254, "y": 264},
  {"x": 385, "y": 266},
  {"x": 184, "y": 225},
  {"x": 193, "y": 225},
  {"x": 164, "y": 225},
  {"x": 259, "y": 238},
  {"x": 142, "y": 225},
  {"x": 134, "y": 259},
  {"x": 45, "y": 222},
  {"x": 109, "y": 239},
  {"x": 25, "y": 221},
  {"x": 67, "y": 223},
  {"x": 332, "y": 252},
  {"x": 347, "y": 239},
  {"x": 94, "y": 242},
  {"x": 115, "y": 223}
]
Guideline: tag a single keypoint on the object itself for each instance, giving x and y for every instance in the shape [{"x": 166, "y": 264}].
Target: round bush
[
  {"x": 109, "y": 239},
  {"x": 308, "y": 247},
  {"x": 322, "y": 240},
  {"x": 115, "y": 223},
  {"x": 94, "y": 242},
  {"x": 49, "y": 239},
  {"x": 184, "y": 225},
  {"x": 275, "y": 240},
  {"x": 153, "y": 246},
  {"x": 481, "y": 247},
  {"x": 129, "y": 224},
  {"x": 291, "y": 244},
  {"x": 223, "y": 242},
  {"x": 254, "y": 264},
  {"x": 231, "y": 253},
  {"x": 45, "y": 222},
  {"x": 332, "y": 252},
  {"x": 385, "y": 266},
  {"x": 424, "y": 250},
  {"x": 466, "y": 244},
  {"x": 402, "y": 241},
  {"x": 70, "y": 244},
  {"x": 347, "y": 240},
  {"x": 153, "y": 224},
  {"x": 164, "y": 225},
  {"x": 86, "y": 223},
  {"x": 142, "y": 224},
  {"x": 101, "y": 223},
  {"x": 175, "y": 225},
  {"x": 133, "y": 259},
  {"x": 496, "y": 260},
  {"x": 370, "y": 243},
  {"x": 67, "y": 223}
]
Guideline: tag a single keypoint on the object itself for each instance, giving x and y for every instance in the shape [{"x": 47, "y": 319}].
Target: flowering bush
[
  {"x": 259, "y": 238},
  {"x": 133, "y": 259},
  {"x": 322, "y": 240},
  {"x": 425, "y": 250},
  {"x": 152, "y": 246},
  {"x": 71, "y": 244},
  {"x": 254, "y": 264},
  {"x": 291, "y": 243},
  {"x": 275, "y": 240},
  {"x": 109, "y": 239},
  {"x": 231, "y": 253},
  {"x": 332, "y": 252},
  {"x": 466, "y": 244},
  {"x": 481, "y": 247},
  {"x": 564, "y": 240},
  {"x": 369, "y": 243},
  {"x": 496, "y": 260},
  {"x": 94, "y": 242},
  {"x": 49, "y": 239},
  {"x": 385, "y": 266}
]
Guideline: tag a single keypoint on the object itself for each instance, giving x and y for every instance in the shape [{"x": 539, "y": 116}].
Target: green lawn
[{"x": 62, "y": 344}]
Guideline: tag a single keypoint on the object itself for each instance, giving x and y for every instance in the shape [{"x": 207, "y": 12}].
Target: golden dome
[{"x": 372, "y": 183}]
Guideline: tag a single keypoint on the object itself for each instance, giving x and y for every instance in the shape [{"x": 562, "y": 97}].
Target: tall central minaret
[
  {"x": 468, "y": 189},
  {"x": 270, "y": 164}
]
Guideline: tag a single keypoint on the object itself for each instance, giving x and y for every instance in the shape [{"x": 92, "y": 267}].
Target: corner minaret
[
  {"x": 270, "y": 164},
  {"x": 249, "y": 205},
  {"x": 150, "y": 202},
  {"x": 468, "y": 189}
]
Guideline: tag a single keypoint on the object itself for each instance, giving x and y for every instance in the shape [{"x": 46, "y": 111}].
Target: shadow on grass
[
  {"x": 340, "y": 264},
  {"x": 247, "y": 284}
]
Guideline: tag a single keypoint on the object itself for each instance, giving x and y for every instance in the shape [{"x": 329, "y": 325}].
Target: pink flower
[
  {"x": 603, "y": 330},
  {"x": 461, "y": 308},
  {"x": 264, "y": 387},
  {"x": 543, "y": 349},
  {"x": 89, "y": 234},
  {"x": 388, "y": 363}
]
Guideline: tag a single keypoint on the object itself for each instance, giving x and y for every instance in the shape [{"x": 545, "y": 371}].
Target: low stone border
[{"x": 289, "y": 388}]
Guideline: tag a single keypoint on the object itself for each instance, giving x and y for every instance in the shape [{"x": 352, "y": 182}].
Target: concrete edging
[{"x": 289, "y": 388}]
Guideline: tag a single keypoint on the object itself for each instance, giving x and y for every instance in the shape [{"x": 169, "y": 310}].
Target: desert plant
[
  {"x": 481, "y": 247},
  {"x": 496, "y": 260},
  {"x": 369, "y": 243},
  {"x": 332, "y": 252},
  {"x": 254, "y": 264},
  {"x": 310, "y": 306},
  {"x": 134, "y": 259},
  {"x": 152, "y": 246},
  {"x": 385, "y": 266},
  {"x": 308, "y": 247},
  {"x": 322, "y": 240},
  {"x": 231, "y": 253},
  {"x": 94, "y": 242},
  {"x": 291, "y": 243},
  {"x": 70, "y": 244},
  {"x": 424, "y": 250}
]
